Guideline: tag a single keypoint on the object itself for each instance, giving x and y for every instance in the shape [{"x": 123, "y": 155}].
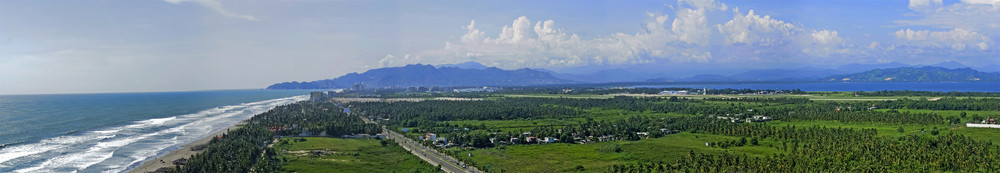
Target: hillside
[
  {"x": 427, "y": 75},
  {"x": 918, "y": 74}
]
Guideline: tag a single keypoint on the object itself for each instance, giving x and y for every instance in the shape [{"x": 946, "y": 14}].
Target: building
[
  {"x": 532, "y": 139},
  {"x": 430, "y": 137},
  {"x": 982, "y": 125},
  {"x": 549, "y": 140},
  {"x": 358, "y": 86},
  {"x": 316, "y": 96},
  {"x": 760, "y": 118},
  {"x": 515, "y": 140},
  {"x": 330, "y": 94}
]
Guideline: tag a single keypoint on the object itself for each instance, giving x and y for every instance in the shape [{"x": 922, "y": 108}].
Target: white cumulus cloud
[
  {"x": 757, "y": 30},
  {"x": 685, "y": 36},
  {"x": 766, "y": 34},
  {"x": 957, "y": 39},
  {"x": 924, "y": 4}
]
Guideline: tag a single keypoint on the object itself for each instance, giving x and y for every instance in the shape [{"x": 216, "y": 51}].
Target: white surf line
[
  {"x": 254, "y": 109},
  {"x": 100, "y": 151}
]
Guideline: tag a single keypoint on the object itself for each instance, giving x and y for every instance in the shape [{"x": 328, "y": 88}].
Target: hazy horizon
[{"x": 184, "y": 45}]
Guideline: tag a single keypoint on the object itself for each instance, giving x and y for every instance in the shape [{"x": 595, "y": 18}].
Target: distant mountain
[
  {"x": 427, "y": 75},
  {"x": 854, "y": 68},
  {"x": 605, "y": 76},
  {"x": 802, "y": 74},
  {"x": 949, "y": 65},
  {"x": 465, "y": 65},
  {"x": 918, "y": 74}
]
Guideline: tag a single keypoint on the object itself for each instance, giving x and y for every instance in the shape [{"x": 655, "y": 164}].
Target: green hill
[
  {"x": 427, "y": 75},
  {"x": 918, "y": 74}
]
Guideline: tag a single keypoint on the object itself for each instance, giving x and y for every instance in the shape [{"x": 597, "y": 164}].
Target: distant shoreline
[{"x": 166, "y": 161}]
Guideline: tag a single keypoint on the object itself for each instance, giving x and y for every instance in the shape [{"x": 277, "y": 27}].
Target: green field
[
  {"x": 841, "y": 96},
  {"x": 589, "y": 116},
  {"x": 561, "y": 157},
  {"x": 596, "y": 114},
  {"x": 321, "y": 154}
]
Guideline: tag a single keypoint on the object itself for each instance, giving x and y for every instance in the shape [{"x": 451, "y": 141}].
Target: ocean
[
  {"x": 846, "y": 86},
  {"x": 115, "y": 132}
]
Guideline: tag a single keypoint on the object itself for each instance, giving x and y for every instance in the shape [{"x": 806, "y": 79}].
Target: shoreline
[{"x": 166, "y": 161}]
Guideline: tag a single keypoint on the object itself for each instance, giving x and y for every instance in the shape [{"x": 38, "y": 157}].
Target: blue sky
[{"x": 169, "y": 45}]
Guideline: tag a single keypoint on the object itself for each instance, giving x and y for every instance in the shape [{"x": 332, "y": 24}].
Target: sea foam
[{"x": 120, "y": 148}]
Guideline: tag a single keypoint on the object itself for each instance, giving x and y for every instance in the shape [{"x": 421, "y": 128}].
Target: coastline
[{"x": 166, "y": 161}]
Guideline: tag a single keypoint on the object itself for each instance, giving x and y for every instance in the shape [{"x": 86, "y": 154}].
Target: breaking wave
[{"x": 119, "y": 148}]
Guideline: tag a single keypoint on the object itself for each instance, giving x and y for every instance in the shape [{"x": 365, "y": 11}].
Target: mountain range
[
  {"x": 918, "y": 74},
  {"x": 475, "y": 74},
  {"x": 428, "y": 75}
]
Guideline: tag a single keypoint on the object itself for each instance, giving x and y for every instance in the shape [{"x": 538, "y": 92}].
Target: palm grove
[{"x": 800, "y": 148}]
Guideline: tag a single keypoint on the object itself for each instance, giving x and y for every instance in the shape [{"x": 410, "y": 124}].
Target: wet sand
[{"x": 166, "y": 161}]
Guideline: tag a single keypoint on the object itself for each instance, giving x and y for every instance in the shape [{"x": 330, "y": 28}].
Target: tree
[{"x": 900, "y": 129}]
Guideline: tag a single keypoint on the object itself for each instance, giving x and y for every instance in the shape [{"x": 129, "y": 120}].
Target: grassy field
[
  {"x": 595, "y": 158},
  {"x": 825, "y": 96},
  {"x": 581, "y": 96},
  {"x": 983, "y": 134},
  {"x": 321, "y": 154},
  {"x": 596, "y": 114}
]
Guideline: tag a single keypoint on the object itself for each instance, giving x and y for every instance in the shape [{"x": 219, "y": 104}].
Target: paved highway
[{"x": 447, "y": 163}]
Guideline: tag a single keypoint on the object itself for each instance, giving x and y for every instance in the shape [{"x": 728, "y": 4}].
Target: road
[{"x": 447, "y": 163}]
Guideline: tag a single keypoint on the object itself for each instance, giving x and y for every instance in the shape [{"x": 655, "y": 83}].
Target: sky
[{"x": 99, "y": 46}]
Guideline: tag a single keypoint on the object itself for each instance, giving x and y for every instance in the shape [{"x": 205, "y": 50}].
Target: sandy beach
[{"x": 166, "y": 161}]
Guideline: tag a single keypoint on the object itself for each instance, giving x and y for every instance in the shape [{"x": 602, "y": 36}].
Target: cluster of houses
[
  {"x": 529, "y": 138},
  {"x": 477, "y": 89},
  {"x": 440, "y": 141},
  {"x": 736, "y": 118},
  {"x": 457, "y": 90}
]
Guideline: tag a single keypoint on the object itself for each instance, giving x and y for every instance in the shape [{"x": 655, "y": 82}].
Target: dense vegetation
[
  {"x": 578, "y": 121},
  {"x": 245, "y": 149},
  {"x": 742, "y": 131},
  {"x": 241, "y": 150}
]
